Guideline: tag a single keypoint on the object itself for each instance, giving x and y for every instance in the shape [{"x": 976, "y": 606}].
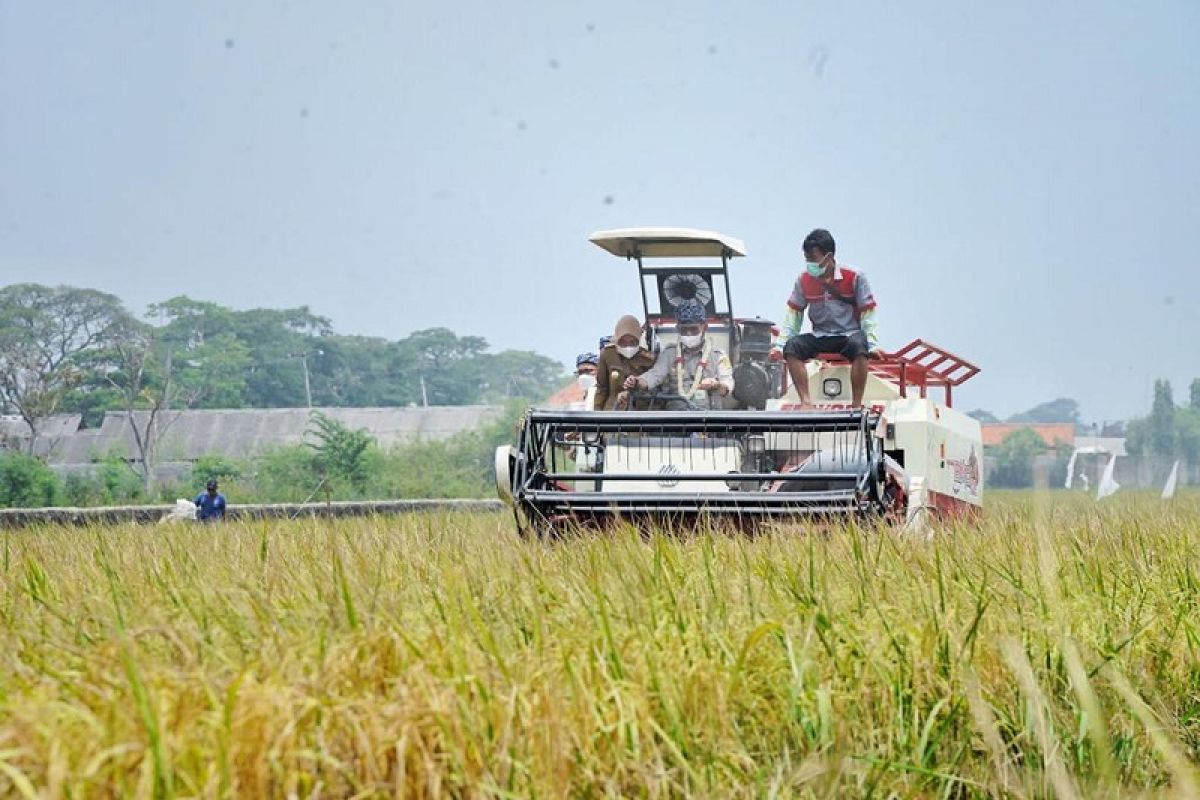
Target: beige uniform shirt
[{"x": 670, "y": 372}]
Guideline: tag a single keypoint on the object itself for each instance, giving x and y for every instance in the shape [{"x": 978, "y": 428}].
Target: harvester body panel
[{"x": 665, "y": 458}]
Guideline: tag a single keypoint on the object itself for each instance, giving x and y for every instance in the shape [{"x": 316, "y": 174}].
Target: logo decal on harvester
[
  {"x": 965, "y": 474},
  {"x": 668, "y": 470}
]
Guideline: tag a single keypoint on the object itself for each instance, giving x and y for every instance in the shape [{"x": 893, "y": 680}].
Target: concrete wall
[{"x": 13, "y": 518}]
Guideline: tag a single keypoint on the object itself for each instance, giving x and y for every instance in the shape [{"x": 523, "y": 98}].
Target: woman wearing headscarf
[{"x": 623, "y": 357}]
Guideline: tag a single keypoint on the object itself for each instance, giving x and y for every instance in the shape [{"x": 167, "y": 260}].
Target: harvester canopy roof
[{"x": 667, "y": 243}]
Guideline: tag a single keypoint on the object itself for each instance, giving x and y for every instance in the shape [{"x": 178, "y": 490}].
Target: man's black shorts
[{"x": 807, "y": 345}]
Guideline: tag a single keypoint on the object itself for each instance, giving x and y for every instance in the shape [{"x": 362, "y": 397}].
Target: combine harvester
[{"x": 904, "y": 457}]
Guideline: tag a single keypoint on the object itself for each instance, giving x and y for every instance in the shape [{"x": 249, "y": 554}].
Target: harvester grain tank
[{"x": 904, "y": 456}]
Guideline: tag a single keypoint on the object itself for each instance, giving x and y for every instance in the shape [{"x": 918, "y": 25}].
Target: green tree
[
  {"x": 1137, "y": 436},
  {"x": 282, "y": 343},
  {"x": 25, "y": 482},
  {"x": 439, "y": 367},
  {"x": 1162, "y": 434},
  {"x": 286, "y": 474},
  {"x": 1013, "y": 459},
  {"x": 461, "y": 466},
  {"x": 229, "y": 472},
  {"x": 119, "y": 483},
  {"x": 90, "y": 399},
  {"x": 1062, "y": 458},
  {"x": 214, "y": 467},
  {"x": 156, "y": 370},
  {"x": 46, "y": 336},
  {"x": 271, "y": 342},
  {"x": 355, "y": 371},
  {"x": 341, "y": 453},
  {"x": 196, "y": 319},
  {"x": 1194, "y": 392},
  {"x": 1187, "y": 424},
  {"x": 521, "y": 374},
  {"x": 1063, "y": 409},
  {"x": 191, "y": 353},
  {"x": 983, "y": 415}
]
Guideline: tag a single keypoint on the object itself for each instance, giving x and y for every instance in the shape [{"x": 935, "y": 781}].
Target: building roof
[
  {"x": 239, "y": 433},
  {"x": 1052, "y": 433},
  {"x": 566, "y": 396},
  {"x": 14, "y": 433}
]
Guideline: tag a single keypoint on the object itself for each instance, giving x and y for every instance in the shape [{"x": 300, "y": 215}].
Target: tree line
[
  {"x": 69, "y": 349},
  {"x": 1169, "y": 431},
  {"x": 1062, "y": 409}
]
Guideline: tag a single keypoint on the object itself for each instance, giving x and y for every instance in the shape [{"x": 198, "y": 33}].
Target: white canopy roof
[{"x": 667, "y": 243}]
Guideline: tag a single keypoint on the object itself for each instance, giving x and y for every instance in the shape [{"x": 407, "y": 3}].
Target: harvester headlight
[{"x": 831, "y": 387}]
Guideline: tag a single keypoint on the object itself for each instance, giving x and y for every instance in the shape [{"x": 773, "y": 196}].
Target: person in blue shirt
[{"x": 210, "y": 505}]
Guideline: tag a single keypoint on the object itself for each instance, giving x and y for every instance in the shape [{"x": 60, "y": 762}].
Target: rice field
[{"x": 1052, "y": 650}]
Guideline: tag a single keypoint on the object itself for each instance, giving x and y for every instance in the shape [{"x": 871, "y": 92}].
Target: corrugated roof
[
  {"x": 238, "y": 433},
  {"x": 51, "y": 431}
]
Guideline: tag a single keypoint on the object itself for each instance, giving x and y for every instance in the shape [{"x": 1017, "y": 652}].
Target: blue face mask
[{"x": 814, "y": 268}]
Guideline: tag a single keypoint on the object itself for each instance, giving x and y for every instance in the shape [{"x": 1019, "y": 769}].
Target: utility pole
[
  {"x": 304, "y": 365},
  {"x": 424, "y": 394},
  {"x": 307, "y": 385}
]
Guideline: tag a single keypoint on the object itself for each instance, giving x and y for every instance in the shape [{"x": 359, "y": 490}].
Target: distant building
[
  {"x": 1092, "y": 452},
  {"x": 565, "y": 397},
  {"x": 1053, "y": 434},
  {"x": 1058, "y": 437},
  {"x": 14, "y": 433}
]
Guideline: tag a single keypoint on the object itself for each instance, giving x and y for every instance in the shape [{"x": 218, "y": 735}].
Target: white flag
[
  {"x": 1172, "y": 479},
  {"x": 1107, "y": 484}
]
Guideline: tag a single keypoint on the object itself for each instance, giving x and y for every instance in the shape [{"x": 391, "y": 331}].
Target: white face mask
[
  {"x": 628, "y": 352},
  {"x": 691, "y": 342},
  {"x": 586, "y": 382}
]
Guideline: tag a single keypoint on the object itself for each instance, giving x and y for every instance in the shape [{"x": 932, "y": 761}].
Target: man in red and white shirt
[{"x": 842, "y": 311}]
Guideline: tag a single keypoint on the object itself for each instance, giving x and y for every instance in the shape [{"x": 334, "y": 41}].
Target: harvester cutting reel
[{"x": 681, "y": 466}]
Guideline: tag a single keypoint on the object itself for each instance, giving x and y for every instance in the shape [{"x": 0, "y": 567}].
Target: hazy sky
[{"x": 1020, "y": 180}]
